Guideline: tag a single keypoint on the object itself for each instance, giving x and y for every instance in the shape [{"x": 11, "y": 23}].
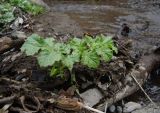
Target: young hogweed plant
[
  {"x": 87, "y": 51},
  {"x": 27, "y": 6},
  {"x": 6, "y": 14},
  {"x": 7, "y": 9}
]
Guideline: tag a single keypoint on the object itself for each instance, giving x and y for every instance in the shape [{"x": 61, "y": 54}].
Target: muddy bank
[{"x": 111, "y": 82}]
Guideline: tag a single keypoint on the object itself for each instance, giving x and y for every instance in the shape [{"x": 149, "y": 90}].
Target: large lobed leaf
[
  {"x": 32, "y": 45},
  {"x": 47, "y": 58},
  {"x": 90, "y": 59}
]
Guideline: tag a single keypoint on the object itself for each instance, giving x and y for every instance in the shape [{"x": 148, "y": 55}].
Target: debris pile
[{"x": 27, "y": 88}]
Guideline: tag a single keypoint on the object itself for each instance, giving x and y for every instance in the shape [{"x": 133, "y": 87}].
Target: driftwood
[
  {"x": 7, "y": 100},
  {"x": 7, "y": 43},
  {"x": 36, "y": 101},
  {"x": 140, "y": 72}
]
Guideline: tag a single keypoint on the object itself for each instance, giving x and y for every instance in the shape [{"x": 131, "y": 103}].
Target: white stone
[
  {"x": 131, "y": 106},
  {"x": 119, "y": 109},
  {"x": 91, "y": 96},
  {"x": 112, "y": 108}
]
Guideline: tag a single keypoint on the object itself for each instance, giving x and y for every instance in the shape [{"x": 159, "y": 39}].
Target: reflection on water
[
  {"x": 93, "y": 2},
  {"x": 106, "y": 16},
  {"x": 92, "y": 16},
  {"x": 97, "y": 22}
]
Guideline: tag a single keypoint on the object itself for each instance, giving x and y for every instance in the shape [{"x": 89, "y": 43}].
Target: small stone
[
  {"x": 125, "y": 30},
  {"x": 121, "y": 64},
  {"x": 112, "y": 108},
  {"x": 19, "y": 34},
  {"x": 24, "y": 79},
  {"x": 103, "y": 86},
  {"x": 92, "y": 96},
  {"x": 119, "y": 109},
  {"x": 131, "y": 106},
  {"x": 114, "y": 58},
  {"x": 19, "y": 21},
  {"x": 19, "y": 77},
  {"x": 51, "y": 100}
]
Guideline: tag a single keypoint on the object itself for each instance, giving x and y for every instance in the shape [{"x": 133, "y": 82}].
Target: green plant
[
  {"x": 87, "y": 51},
  {"x": 7, "y": 9},
  {"x": 27, "y": 6},
  {"x": 6, "y": 14}
]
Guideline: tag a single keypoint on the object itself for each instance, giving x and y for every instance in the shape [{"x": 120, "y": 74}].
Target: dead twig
[
  {"x": 10, "y": 80},
  {"x": 17, "y": 110},
  {"x": 7, "y": 99},
  {"x": 90, "y": 108},
  {"x": 143, "y": 91},
  {"x": 7, "y": 44},
  {"x": 73, "y": 105},
  {"x": 26, "y": 107}
]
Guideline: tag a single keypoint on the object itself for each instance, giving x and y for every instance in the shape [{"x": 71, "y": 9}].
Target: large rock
[
  {"x": 91, "y": 96},
  {"x": 148, "y": 109},
  {"x": 131, "y": 106}
]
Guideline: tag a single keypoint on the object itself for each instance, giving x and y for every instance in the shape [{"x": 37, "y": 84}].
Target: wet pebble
[
  {"x": 112, "y": 108},
  {"x": 115, "y": 109},
  {"x": 25, "y": 79},
  {"x": 119, "y": 109},
  {"x": 125, "y": 30},
  {"x": 19, "y": 77}
]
